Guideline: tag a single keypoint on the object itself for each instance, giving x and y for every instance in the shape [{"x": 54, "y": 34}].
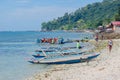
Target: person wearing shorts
[{"x": 110, "y": 43}]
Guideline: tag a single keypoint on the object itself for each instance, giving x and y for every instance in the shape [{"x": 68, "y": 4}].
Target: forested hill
[{"x": 90, "y": 16}]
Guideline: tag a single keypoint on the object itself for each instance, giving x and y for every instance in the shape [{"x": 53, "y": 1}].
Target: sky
[{"x": 27, "y": 15}]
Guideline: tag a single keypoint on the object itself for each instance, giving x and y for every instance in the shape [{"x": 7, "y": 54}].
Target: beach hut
[
  {"x": 113, "y": 26},
  {"x": 116, "y": 25}
]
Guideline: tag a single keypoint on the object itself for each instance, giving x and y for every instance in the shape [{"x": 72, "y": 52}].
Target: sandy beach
[{"x": 104, "y": 67}]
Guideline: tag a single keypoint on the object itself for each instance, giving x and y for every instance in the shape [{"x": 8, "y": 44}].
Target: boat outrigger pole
[{"x": 44, "y": 53}]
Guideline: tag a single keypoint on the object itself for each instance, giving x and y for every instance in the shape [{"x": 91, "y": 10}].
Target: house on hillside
[
  {"x": 116, "y": 25},
  {"x": 113, "y": 27}
]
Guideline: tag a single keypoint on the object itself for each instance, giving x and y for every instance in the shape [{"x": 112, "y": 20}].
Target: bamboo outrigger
[{"x": 64, "y": 59}]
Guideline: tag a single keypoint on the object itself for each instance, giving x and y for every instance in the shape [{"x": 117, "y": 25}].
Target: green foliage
[
  {"x": 90, "y": 16},
  {"x": 117, "y": 16}
]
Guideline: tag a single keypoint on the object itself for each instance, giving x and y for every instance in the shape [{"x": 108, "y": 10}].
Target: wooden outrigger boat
[
  {"x": 65, "y": 59},
  {"x": 63, "y": 56},
  {"x": 53, "y": 40},
  {"x": 65, "y": 50},
  {"x": 38, "y": 56},
  {"x": 52, "y": 49}
]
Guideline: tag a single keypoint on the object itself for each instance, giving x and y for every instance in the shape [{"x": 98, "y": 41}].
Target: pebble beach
[{"x": 104, "y": 67}]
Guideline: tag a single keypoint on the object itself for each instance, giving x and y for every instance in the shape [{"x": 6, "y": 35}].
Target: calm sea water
[{"x": 17, "y": 47}]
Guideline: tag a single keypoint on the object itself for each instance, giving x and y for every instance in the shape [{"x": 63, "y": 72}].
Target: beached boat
[
  {"x": 56, "y": 51},
  {"x": 38, "y": 56},
  {"x": 53, "y": 54},
  {"x": 65, "y": 59},
  {"x": 52, "y": 49}
]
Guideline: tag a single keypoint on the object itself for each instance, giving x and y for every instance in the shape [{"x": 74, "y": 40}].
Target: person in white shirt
[{"x": 110, "y": 44}]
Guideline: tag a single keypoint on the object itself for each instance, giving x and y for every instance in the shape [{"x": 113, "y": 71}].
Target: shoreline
[{"x": 104, "y": 67}]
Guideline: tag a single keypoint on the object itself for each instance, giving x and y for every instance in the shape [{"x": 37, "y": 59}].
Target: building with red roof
[
  {"x": 113, "y": 27},
  {"x": 116, "y": 26},
  {"x": 116, "y": 23}
]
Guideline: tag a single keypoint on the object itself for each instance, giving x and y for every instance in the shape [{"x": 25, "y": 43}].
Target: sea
[{"x": 17, "y": 47}]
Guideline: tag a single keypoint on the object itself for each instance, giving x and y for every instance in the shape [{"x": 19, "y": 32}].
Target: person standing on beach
[
  {"x": 102, "y": 37},
  {"x": 110, "y": 44},
  {"x": 78, "y": 45},
  {"x": 96, "y": 37}
]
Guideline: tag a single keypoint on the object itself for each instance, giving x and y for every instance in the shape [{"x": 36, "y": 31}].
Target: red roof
[{"x": 116, "y": 23}]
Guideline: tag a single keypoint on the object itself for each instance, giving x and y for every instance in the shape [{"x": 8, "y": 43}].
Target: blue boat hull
[
  {"x": 67, "y": 61},
  {"x": 38, "y": 56}
]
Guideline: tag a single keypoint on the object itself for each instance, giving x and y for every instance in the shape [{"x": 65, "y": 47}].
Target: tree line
[{"x": 88, "y": 17}]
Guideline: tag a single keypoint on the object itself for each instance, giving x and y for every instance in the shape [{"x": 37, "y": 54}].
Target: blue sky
[{"x": 22, "y": 15}]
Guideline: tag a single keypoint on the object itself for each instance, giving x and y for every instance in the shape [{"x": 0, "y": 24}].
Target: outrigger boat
[
  {"x": 65, "y": 59},
  {"x": 55, "y": 51},
  {"x": 38, "y": 56},
  {"x": 64, "y": 56},
  {"x": 56, "y": 40},
  {"x": 52, "y": 49}
]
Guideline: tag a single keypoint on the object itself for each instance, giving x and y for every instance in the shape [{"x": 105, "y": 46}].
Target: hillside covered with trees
[{"x": 88, "y": 17}]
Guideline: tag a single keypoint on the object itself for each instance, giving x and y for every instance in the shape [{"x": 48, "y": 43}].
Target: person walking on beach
[
  {"x": 110, "y": 44},
  {"x": 78, "y": 45}
]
